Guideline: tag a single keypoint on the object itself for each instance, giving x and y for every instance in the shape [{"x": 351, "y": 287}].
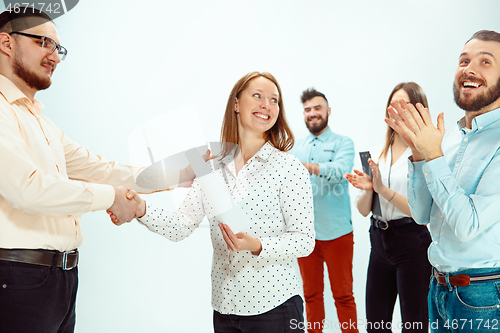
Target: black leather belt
[
  {"x": 384, "y": 225},
  {"x": 65, "y": 260}
]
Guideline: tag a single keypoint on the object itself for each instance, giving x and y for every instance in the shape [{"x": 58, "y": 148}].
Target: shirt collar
[
  {"x": 322, "y": 137},
  {"x": 13, "y": 94},
  {"x": 482, "y": 121},
  {"x": 264, "y": 153}
]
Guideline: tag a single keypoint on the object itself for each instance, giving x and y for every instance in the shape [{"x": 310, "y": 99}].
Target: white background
[{"x": 129, "y": 61}]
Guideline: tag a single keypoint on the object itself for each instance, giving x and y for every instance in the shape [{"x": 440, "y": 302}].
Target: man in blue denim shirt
[
  {"x": 327, "y": 156},
  {"x": 454, "y": 184}
]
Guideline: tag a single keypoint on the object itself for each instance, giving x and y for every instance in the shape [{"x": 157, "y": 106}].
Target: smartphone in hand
[{"x": 365, "y": 155}]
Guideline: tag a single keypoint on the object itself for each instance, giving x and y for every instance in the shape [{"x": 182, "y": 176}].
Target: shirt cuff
[
  {"x": 322, "y": 170},
  {"x": 435, "y": 169},
  {"x": 144, "y": 219},
  {"x": 415, "y": 169},
  {"x": 270, "y": 248},
  {"x": 104, "y": 196}
]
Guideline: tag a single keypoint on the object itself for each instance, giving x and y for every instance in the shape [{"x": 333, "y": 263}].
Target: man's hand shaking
[{"x": 127, "y": 206}]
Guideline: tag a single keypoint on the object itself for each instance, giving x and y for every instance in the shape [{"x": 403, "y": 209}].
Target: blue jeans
[
  {"x": 474, "y": 308},
  {"x": 285, "y": 318},
  {"x": 398, "y": 266}
]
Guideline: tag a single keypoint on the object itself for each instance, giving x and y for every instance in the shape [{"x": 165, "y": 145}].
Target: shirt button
[
  {"x": 457, "y": 165},
  {"x": 437, "y": 265},
  {"x": 435, "y": 242},
  {"x": 4, "y": 286},
  {"x": 425, "y": 174},
  {"x": 442, "y": 216},
  {"x": 466, "y": 139},
  {"x": 480, "y": 127}
]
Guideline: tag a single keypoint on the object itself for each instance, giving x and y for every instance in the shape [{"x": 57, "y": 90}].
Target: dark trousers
[
  {"x": 285, "y": 318},
  {"x": 37, "y": 299},
  {"x": 398, "y": 266}
]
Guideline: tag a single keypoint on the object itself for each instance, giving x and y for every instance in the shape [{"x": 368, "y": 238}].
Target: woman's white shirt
[
  {"x": 397, "y": 177},
  {"x": 394, "y": 177},
  {"x": 274, "y": 190}
]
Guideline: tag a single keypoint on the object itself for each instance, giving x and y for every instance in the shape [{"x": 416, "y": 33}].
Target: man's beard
[
  {"x": 486, "y": 98},
  {"x": 31, "y": 78},
  {"x": 317, "y": 127}
]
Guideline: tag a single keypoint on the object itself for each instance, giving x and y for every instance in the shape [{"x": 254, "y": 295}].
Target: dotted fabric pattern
[{"x": 275, "y": 192}]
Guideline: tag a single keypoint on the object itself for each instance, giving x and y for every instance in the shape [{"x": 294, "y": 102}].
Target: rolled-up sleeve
[
  {"x": 468, "y": 215},
  {"x": 344, "y": 160},
  {"x": 419, "y": 197}
]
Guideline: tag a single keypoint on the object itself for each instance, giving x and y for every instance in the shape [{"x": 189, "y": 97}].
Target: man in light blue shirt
[
  {"x": 327, "y": 156},
  {"x": 455, "y": 186}
]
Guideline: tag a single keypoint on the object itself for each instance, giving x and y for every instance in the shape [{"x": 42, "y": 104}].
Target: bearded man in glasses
[{"x": 47, "y": 181}]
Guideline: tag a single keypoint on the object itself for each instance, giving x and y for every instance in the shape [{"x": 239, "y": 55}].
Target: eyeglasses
[{"x": 48, "y": 44}]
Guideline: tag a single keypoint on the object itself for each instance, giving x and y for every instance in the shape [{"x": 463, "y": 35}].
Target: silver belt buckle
[
  {"x": 385, "y": 226},
  {"x": 65, "y": 260}
]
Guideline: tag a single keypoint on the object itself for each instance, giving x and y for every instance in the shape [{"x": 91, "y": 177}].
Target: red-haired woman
[{"x": 254, "y": 287}]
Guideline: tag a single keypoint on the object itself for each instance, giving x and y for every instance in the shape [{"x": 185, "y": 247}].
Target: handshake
[{"x": 128, "y": 205}]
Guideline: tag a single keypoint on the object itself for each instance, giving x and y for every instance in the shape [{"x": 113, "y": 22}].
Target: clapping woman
[{"x": 398, "y": 260}]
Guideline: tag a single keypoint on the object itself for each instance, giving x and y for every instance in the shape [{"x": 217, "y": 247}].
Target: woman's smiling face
[{"x": 257, "y": 106}]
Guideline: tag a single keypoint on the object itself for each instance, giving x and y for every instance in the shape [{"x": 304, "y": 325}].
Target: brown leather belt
[
  {"x": 462, "y": 280},
  {"x": 65, "y": 260}
]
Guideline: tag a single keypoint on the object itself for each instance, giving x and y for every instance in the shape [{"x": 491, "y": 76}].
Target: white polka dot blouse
[{"x": 274, "y": 190}]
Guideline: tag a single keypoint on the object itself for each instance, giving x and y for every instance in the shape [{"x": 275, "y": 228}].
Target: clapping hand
[
  {"x": 362, "y": 181},
  {"x": 415, "y": 126},
  {"x": 376, "y": 176},
  {"x": 359, "y": 180}
]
